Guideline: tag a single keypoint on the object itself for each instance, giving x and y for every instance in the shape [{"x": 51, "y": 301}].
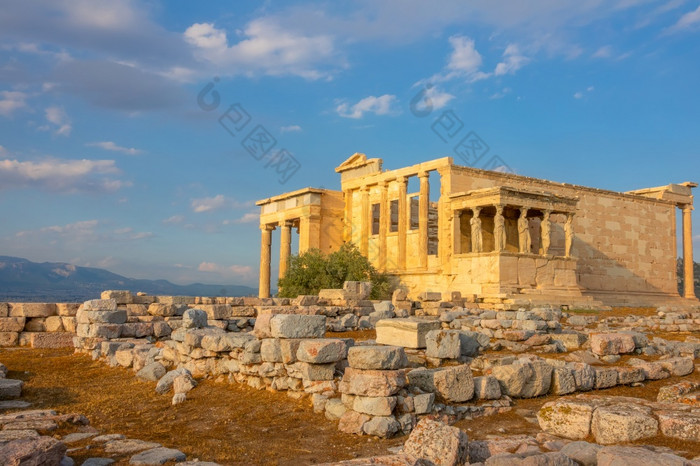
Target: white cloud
[
  {"x": 578, "y": 95},
  {"x": 381, "y": 105},
  {"x": 464, "y": 57},
  {"x": 688, "y": 21},
  {"x": 267, "y": 48},
  {"x": 438, "y": 98},
  {"x": 248, "y": 217},
  {"x": 238, "y": 270},
  {"x": 11, "y": 101},
  {"x": 513, "y": 60},
  {"x": 174, "y": 220},
  {"x": 84, "y": 231},
  {"x": 290, "y": 129},
  {"x": 60, "y": 175},
  {"x": 209, "y": 204},
  {"x": 58, "y": 117},
  {"x": 109, "y": 145},
  {"x": 605, "y": 51},
  {"x": 582, "y": 94},
  {"x": 3, "y": 151},
  {"x": 502, "y": 93}
]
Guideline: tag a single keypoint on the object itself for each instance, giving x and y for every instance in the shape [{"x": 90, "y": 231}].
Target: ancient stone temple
[{"x": 496, "y": 237}]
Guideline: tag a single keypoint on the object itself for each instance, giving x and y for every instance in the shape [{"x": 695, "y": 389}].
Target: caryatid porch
[{"x": 519, "y": 240}]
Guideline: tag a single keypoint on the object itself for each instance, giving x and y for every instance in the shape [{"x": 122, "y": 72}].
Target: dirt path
[{"x": 229, "y": 424}]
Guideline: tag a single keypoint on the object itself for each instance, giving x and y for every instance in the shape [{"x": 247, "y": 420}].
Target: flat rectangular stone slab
[{"x": 408, "y": 332}]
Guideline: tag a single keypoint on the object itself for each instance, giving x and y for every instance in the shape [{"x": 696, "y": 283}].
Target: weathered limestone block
[
  {"x": 678, "y": 366},
  {"x": 116, "y": 316},
  {"x": 51, "y": 340},
  {"x": 534, "y": 457},
  {"x": 175, "y": 299},
  {"x": 99, "y": 305},
  {"x": 377, "y": 357},
  {"x": 372, "y": 382},
  {"x": 9, "y": 338},
  {"x": 222, "y": 342},
  {"x": 297, "y": 326},
  {"x": 271, "y": 350},
  {"x": 584, "y": 375},
  {"x": 137, "y": 329},
  {"x": 33, "y": 451},
  {"x": 32, "y": 309},
  {"x": 563, "y": 381},
  {"x": 334, "y": 409},
  {"x": 637, "y": 456},
  {"x": 54, "y": 324},
  {"x": 566, "y": 419},
  {"x": 680, "y": 425},
  {"x": 629, "y": 375},
  {"x": 153, "y": 372},
  {"x": 524, "y": 379},
  {"x": 161, "y": 329},
  {"x": 159, "y": 455},
  {"x": 452, "y": 383},
  {"x": 194, "y": 318},
  {"x": 438, "y": 443},
  {"x": 12, "y": 324},
  {"x": 374, "y": 405},
  {"x": 67, "y": 309},
  {"x": 35, "y": 324},
  {"x": 108, "y": 331},
  {"x": 605, "y": 377},
  {"x": 487, "y": 388},
  {"x": 407, "y": 332},
  {"x": 423, "y": 403},
  {"x": 4, "y": 309},
  {"x": 472, "y": 342},
  {"x": 604, "y": 344},
  {"x": 381, "y": 426},
  {"x": 623, "y": 423},
  {"x": 162, "y": 310},
  {"x": 571, "y": 341},
  {"x": 652, "y": 370},
  {"x": 313, "y": 372},
  {"x": 216, "y": 311},
  {"x": 351, "y": 422},
  {"x": 120, "y": 296},
  {"x": 672, "y": 393},
  {"x": 289, "y": 348},
  {"x": 10, "y": 389},
  {"x": 584, "y": 453},
  {"x": 443, "y": 344},
  {"x": 322, "y": 351}
]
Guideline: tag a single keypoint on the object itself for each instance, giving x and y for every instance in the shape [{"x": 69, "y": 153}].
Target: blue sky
[{"x": 108, "y": 159}]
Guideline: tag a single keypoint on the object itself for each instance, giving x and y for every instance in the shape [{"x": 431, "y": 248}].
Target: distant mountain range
[{"x": 23, "y": 281}]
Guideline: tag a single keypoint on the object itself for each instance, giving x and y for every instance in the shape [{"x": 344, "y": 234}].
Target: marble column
[
  {"x": 688, "y": 279},
  {"x": 403, "y": 223},
  {"x": 423, "y": 207},
  {"x": 365, "y": 223},
  {"x": 383, "y": 224},
  {"x": 265, "y": 242},
  {"x": 285, "y": 246},
  {"x": 347, "y": 218}
]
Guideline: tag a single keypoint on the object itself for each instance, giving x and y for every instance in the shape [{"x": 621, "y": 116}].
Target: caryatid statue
[
  {"x": 475, "y": 223},
  {"x": 499, "y": 229},
  {"x": 524, "y": 240},
  {"x": 546, "y": 228},
  {"x": 569, "y": 234}
]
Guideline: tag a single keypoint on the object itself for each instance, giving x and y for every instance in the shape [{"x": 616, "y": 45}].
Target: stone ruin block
[
  {"x": 450, "y": 384},
  {"x": 297, "y": 326},
  {"x": 32, "y": 309},
  {"x": 120, "y": 296},
  {"x": 604, "y": 344},
  {"x": 443, "y": 344},
  {"x": 377, "y": 357},
  {"x": 322, "y": 351},
  {"x": 372, "y": 382},
  {"x": 524, "y": 379},
  {"x": 357, "y": 290},
  {"x": 407, "y": 332}
]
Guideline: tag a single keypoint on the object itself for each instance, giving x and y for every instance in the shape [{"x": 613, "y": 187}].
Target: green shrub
[{"x": 312, "y": 271}]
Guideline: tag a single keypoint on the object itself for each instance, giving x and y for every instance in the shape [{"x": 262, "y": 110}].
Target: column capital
[
  {"x": 364, "y": 188},
  {"x": 476, "y": 211},
  {"x": 267, "y": 227},
  {"x": 287, "y": 223},
  {"x": 401, "y": 179},
  {"x": 687, "y": 207},
  {"x": 382, "y": 183},
  {"x": 423, "y": 174}
]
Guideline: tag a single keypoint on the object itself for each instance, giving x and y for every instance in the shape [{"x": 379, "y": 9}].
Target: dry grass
[{"x": 229, "y": 424}]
